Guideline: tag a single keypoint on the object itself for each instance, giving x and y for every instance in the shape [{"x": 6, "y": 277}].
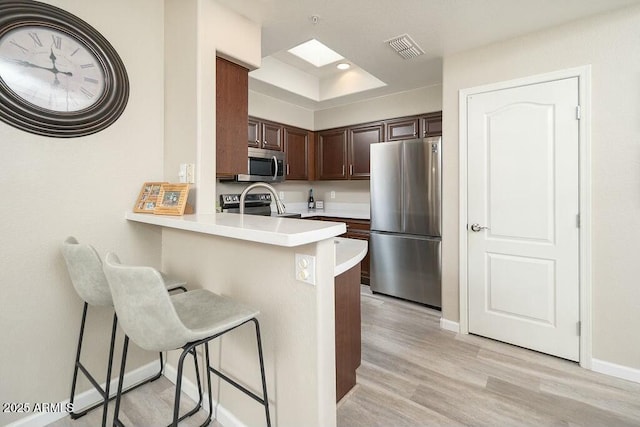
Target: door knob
[{"x": 477, "y": 227}]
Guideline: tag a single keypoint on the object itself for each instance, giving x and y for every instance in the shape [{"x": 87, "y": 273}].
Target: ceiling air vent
[{"x": 405, "y": 46}]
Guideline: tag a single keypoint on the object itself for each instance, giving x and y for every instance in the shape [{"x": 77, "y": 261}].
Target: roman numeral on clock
[
  {"x": 87, "y": 93},
  {"x": 57, "y": 41},
  {"x": 36, "y": 39}
]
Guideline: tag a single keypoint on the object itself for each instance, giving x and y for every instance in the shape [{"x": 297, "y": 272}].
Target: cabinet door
[
  {"x": 297, "y": 147},
  {"x": 254, "y": 131},
  {"x": 360, "y": 139},
  {"x": 332, "y": 154},
  {"x": 272, "y": 136},
  {"x": 403, "y": 128},
  {"x": 360, "y": 229},
  {"x": 431, "y": 124},
  {"x": 231, "y": 118}
]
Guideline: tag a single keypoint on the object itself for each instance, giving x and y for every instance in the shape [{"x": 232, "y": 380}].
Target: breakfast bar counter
[
  {"x": 309, "y": 328},
  {"x": 287, "y": 232}
]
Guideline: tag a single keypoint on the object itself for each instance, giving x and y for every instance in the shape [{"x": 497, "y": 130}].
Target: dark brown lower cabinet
[{"x": 348, "y": 327}]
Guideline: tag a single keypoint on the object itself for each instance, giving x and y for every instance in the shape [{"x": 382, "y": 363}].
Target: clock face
[
  {"x": 50, "y": 69},
  {"x": 59, "y": 77}
]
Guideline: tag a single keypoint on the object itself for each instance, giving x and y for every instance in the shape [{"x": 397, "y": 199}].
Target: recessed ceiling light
[
  {"x": 343, "y": 66},
  {"x": 315, "y": 53}
]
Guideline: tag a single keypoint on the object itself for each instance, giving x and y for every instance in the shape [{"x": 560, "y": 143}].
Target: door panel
[
  {"x": 332, "y": 154},
  {"x": 523, "y": 186},
  {"x": 521, "y": 168},
  {"x": 422, "y": 176},
  {"x": 360, "y": 140},
  {"x": 386, "y": 187}
]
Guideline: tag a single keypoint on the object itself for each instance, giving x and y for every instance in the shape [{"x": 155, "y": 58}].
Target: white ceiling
[{"x": 357, "y": 30}]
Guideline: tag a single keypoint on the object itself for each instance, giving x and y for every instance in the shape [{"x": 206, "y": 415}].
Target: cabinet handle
[
  {"x": 342, "y": 169},
  {"x": 287, "y": 168},
  {"x": 414, "y": 134},
  {"x": 350, "y": 169},
  {"x": 257, "y": 141},
  {"x": 425, "y": 133},
  {"x": 265, "y": 141}
]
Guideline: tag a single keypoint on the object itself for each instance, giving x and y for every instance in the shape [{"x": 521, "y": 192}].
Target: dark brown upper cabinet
[
  {"x": 332, "y": 154},
  {"x": 360, "y": 139},
  {"x": 403, "y": 128},
  {"x": 254, "y": 129},
  {"x": 298, "y": 146},
  {"x": 231, "y": 118},
  {"x": 344, "y": 153},
  {"x": 272, "y": 136},
  {"x": 431, "y": 124},
  {"x": 264, "y": 134}
]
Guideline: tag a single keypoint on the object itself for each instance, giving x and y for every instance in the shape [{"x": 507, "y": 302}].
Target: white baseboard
[
  {"x": 87, "y": 398},
  {"x": 222, "y": 415},
  {"x": 618, "y": 371},
  {"x": 449, "y": 325}
]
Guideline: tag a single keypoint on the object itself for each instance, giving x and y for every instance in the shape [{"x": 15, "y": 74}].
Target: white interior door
[{"x": 523, "y": 186}]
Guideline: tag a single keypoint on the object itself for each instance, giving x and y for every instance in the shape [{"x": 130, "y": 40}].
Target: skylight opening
[{"x": 315, "y": 53}]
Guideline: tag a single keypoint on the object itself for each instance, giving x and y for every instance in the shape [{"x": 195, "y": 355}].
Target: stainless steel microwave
[{"x": 263, "y": 166}]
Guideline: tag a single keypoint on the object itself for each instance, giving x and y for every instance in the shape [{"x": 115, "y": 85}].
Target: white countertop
[
  {"x": 287, "y": 232},
  {"x": 349, "y": 252}
]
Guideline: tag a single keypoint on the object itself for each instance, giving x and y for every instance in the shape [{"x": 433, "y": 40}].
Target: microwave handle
[{"x": 275, "y": 163}]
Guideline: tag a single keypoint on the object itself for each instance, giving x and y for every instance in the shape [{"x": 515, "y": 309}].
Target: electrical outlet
[
  {"x": 333, "y": 194},
  {"x": 306, "y": 268}
]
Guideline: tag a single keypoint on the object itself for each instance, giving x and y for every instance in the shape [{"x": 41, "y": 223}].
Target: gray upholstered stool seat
[
  {"x": 87, "y": 276},
  {"x": 204, "y": 313},
  {"x": 159, "y": 322}
]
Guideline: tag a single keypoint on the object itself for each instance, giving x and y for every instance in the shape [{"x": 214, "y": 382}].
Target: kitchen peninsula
[{"x": 252, "y": 259}]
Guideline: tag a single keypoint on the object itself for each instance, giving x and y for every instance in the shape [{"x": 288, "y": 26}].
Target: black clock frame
[{"x": 28, "y": 117}]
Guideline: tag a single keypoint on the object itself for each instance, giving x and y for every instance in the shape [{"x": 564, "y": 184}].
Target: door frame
[{"x": 583, "y": 74}]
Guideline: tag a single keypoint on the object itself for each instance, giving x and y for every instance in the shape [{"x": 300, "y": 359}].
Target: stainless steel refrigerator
[{"x": 405, "y": 243}]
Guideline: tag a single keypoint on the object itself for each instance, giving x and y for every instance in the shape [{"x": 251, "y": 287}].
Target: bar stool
[
  {"x": 156, "y": 321},
  {"x": 85, "y": 270}
]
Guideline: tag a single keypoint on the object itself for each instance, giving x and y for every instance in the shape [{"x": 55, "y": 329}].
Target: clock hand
[{"x": 29, "y": 64}]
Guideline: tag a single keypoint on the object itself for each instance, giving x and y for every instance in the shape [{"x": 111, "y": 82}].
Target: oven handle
[{"x": 275, "y": 163}]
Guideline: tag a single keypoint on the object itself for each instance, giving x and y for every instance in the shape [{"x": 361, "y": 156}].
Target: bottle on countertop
[{"x": 312, "y": 203}]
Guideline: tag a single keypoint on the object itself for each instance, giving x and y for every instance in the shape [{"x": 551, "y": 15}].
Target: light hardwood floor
[
  {"x": 415, "y": 374},
  {"x": 150, "y": 405}
]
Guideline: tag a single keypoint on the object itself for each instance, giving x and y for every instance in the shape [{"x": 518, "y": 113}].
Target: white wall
[
  {"x": 610, "y": 44},
  {"x": 417, "y": 101},
  {"x": 53, "y": 188},
  {"x": 267, "y": 107}
]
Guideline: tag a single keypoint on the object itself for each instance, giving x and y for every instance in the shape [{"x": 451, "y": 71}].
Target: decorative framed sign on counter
[
  {"x": 172, "y": 199},
  {"x": 148, "y": 197}
]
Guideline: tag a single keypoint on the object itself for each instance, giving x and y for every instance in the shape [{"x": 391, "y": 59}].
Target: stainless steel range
[{"x": 254, "y": 204}]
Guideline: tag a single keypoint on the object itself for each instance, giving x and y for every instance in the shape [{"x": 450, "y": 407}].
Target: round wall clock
[{"x": 59, "y": 77}]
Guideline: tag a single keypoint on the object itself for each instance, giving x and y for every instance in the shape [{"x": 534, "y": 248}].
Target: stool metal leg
[
  {"x": 109, "y": 366},
  {"x": 77, "y": 362},
  {"x": 104, "y": 393},
  {"x": 264, "y": 381},
  {"x": 125, "y": 347}
]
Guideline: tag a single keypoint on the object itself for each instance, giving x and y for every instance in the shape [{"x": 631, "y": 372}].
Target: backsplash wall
[{"x": 298, "y": 191}]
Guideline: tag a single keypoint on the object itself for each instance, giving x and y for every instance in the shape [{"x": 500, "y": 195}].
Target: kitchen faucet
[{"x": 279, "y": 205}]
